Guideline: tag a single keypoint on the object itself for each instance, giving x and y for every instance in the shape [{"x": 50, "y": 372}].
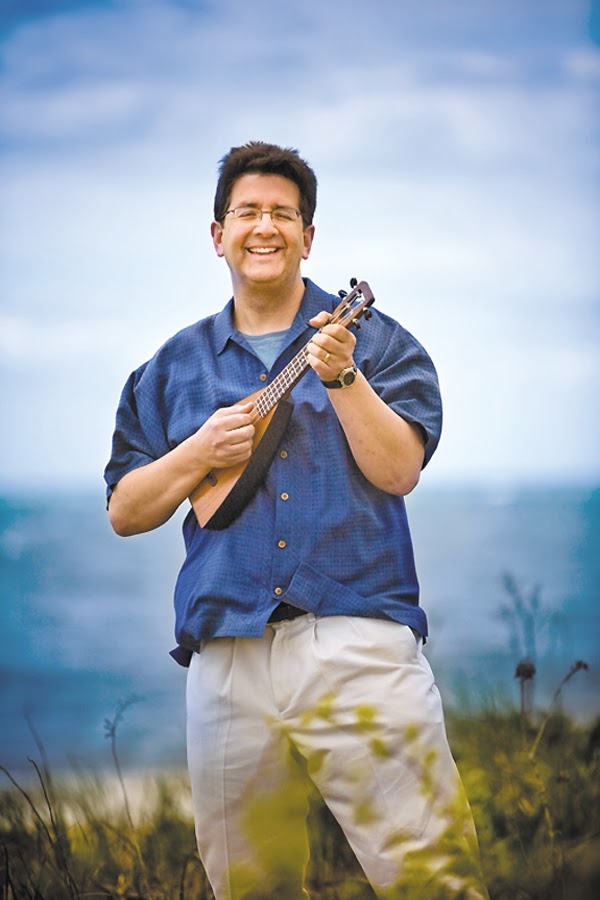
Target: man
[{"x": 300, "y": 619}]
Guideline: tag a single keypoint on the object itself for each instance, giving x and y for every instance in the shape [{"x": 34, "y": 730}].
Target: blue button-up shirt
[{"x": 316, "y": 534}]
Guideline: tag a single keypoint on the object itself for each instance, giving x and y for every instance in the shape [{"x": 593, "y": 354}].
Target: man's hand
[
  {"x": 330, "y": 350},
  {"x": 226, "y": 437}
]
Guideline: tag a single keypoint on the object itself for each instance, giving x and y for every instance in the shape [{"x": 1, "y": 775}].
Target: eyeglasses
[{"x": 281, "y": 214}]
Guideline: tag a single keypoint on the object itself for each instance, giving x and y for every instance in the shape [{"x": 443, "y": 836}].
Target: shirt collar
[{"x": 313, "y": 301}]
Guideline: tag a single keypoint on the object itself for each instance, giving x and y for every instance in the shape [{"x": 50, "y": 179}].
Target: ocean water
[{"x": 86, "y": 617}]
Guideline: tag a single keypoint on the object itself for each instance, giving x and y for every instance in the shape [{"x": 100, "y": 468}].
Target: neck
[{"x": 266, "y": 308}]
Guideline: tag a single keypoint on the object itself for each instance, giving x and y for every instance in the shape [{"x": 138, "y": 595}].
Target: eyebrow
[{"x": 258, "y": 206}]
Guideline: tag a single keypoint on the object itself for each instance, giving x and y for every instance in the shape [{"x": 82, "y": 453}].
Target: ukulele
[{"x": 222, "y": 494}]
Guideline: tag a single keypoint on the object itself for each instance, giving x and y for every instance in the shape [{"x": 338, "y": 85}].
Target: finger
[
  {"x": 241, "y": 435},
  {"x": 236, "y": 417},
  {"x": 321, "y": 352},
  {"x": 237, "y": 446},
  {"x": 242, "y": 412},
  {"x": 320, "y": 319},
  {"x": 338, "y": 333}
]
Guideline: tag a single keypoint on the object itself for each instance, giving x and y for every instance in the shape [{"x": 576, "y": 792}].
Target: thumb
[{"x": 320, "y": 319}]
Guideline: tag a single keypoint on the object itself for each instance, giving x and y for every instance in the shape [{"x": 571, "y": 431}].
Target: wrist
[{"x": 343, "y": 379}]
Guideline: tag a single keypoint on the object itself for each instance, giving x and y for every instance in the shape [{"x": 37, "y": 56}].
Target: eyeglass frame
[{"x": 259, "y": 213}]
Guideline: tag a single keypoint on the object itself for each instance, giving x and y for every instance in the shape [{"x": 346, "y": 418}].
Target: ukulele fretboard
[{"x": 284, "y": 382}]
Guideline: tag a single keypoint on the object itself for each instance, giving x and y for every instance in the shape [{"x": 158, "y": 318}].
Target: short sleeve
[
  {"x": 131, "y": 445},
  {"x": 405, "y": 378}
]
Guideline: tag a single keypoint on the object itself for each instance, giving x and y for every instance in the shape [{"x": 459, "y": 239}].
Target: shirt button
[
  {"x": 281, "y": 544},
  {"x": 284, "y": 454},
  {"x": 278, "y": 591},
  {"x": 285, "y": 496},
  {"x": 263, "y": 377}
]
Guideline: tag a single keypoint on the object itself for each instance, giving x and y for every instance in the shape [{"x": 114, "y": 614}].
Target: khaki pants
[{"x": 350, "y": 705}]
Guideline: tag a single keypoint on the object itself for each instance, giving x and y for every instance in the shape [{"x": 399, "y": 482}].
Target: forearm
[
  {"x": 147, "y": 497},
  {"x": 388, "y": 450}
]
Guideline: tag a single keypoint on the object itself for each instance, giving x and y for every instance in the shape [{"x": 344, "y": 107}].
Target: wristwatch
[{"x": 344, "y": 379}]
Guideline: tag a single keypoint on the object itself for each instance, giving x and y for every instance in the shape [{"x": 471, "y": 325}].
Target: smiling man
[
  {"x": 299, "y": 616},
  {"x": 264, "y": 245}
]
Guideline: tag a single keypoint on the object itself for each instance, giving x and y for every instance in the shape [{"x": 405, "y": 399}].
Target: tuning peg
[
  {"x": 353, "y": 282},
  {"x": 368, "y": 313},
  {"x": 342, "y": 294}
]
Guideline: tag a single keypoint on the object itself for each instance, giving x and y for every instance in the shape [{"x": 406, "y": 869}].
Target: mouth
[{"x": 263, "y": 251}]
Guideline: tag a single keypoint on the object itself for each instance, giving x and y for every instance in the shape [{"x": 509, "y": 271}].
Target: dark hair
[{"x": 266, "y": 159}]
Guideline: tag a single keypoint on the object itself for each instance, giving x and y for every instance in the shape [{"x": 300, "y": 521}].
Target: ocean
[{"x": 87, "y": 625}]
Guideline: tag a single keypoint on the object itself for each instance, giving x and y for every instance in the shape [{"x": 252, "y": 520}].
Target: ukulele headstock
[{"x": 354, "y": 305}]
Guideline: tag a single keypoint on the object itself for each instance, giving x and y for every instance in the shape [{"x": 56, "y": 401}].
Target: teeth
[{"x": 263, "y": 249}]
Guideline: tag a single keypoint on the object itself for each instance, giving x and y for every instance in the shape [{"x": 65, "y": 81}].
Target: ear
[
  {"x": 216, "y": 230},
  {"x": 308, "y": 236}
]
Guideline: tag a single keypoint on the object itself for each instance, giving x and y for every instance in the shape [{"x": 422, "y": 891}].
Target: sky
[{"x": 457, "y": 150}]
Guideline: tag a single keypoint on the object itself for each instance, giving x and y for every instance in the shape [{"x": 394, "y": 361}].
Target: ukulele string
[{"x": 286, "y": 379}]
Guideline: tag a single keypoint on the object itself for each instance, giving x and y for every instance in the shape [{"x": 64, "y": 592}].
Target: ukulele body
[{"x": 223, "y": 493}]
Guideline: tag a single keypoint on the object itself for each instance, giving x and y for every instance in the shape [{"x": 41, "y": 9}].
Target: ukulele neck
[
  {"x": 283, "y": 383},
  {"x": 347, "y": 313}
]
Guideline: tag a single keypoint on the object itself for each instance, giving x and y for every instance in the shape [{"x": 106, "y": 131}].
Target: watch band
[{"x": 345, "y": 378}]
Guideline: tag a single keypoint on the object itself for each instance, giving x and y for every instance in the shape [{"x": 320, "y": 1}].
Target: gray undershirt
[{"x": 266, "y": 346}]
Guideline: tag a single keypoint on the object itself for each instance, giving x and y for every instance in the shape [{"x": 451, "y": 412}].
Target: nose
[{"x": 265, "y": 225}]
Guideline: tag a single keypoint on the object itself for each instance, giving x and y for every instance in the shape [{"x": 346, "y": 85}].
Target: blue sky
[{"x": 456, "y": 146}]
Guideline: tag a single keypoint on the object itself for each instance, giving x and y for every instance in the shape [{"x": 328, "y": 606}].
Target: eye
[
  {"x": 284, "y": 214},
  {"x": 247, "y": 212}
]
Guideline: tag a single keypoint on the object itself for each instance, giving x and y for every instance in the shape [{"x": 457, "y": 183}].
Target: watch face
[{"x": 349, "y": 377}]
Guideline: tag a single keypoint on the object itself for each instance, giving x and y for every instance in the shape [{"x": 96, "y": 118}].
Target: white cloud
[
  {"x": 67, "y": 112},
  {"x": 583, "y": 63},
  {"x": 38, "y": 343},
  {"x": 22, "y": 340},
  {"x": 455, "y": 175}
]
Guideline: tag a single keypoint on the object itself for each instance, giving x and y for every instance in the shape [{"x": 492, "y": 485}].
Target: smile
[{"x": 263, "y": 250}]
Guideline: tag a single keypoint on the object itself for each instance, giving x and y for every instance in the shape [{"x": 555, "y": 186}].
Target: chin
[{"x": 265, "y": 277}]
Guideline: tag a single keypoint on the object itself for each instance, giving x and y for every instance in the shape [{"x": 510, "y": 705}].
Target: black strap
[{"x": 255, "y": 472}]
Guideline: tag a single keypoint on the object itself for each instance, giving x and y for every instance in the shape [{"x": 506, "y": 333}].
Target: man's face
[{"x": 263, "y": 251}]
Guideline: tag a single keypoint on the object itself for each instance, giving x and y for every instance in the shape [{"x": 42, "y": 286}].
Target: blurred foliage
[{"x": 535, "y": 801}]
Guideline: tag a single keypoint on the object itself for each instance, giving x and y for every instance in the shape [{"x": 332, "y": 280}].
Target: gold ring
[{"x": 327, "y": 357}]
